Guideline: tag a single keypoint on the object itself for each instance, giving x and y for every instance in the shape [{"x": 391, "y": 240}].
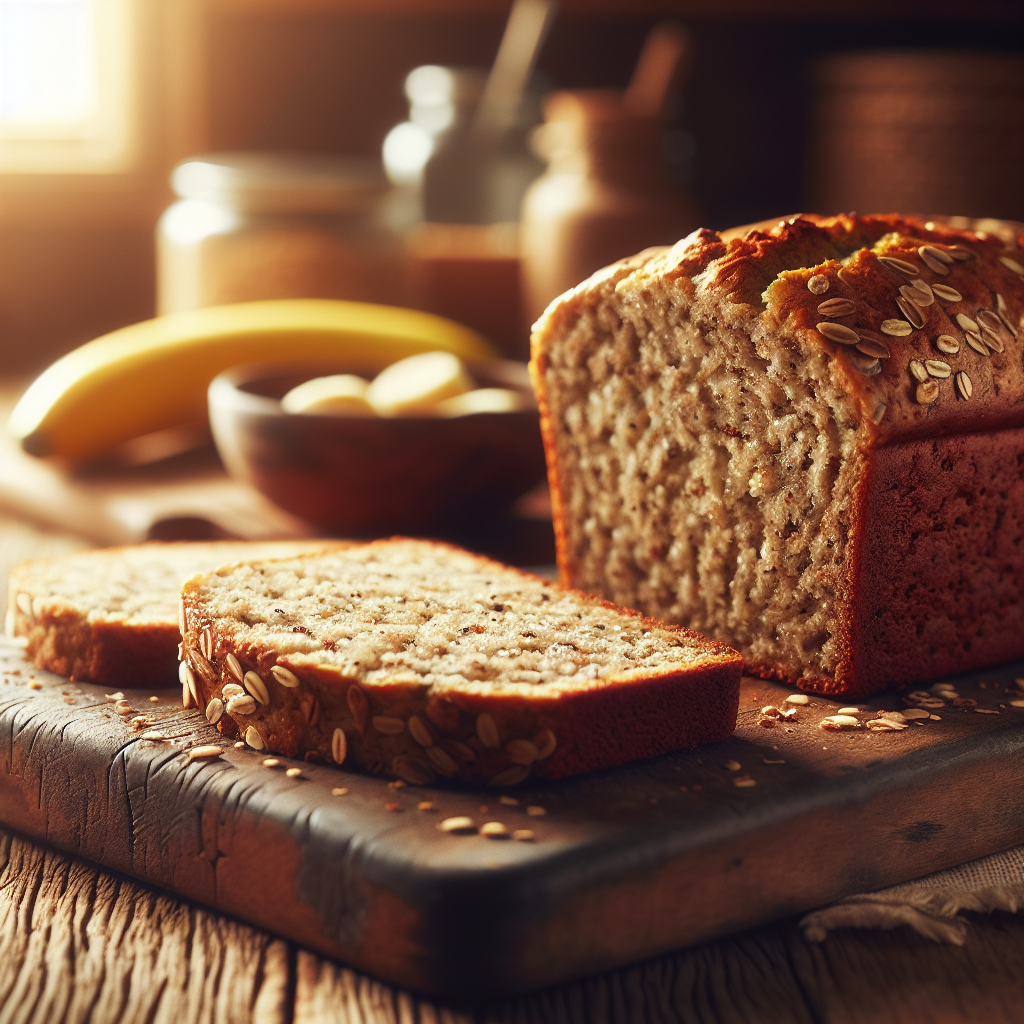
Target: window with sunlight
[{"x": 65, "y": 86}]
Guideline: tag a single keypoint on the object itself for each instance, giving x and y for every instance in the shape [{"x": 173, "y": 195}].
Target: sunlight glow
[{"x": 65, "y": 85}]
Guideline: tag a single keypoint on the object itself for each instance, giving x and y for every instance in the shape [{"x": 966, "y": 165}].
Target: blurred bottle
[
  {"x": 462, "y": 164},
  {"x": 606, "y": 193},
  {"x": 252, "y": 226},
  {"x": 456, "y": 200},
  {"x": 449, "y": 170},
  {"x": 441, "y": 105}
]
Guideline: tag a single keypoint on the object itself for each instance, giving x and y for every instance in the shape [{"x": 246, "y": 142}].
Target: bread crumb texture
[
  {"x": 405, "y": 644},
  {"x": 436, "y": 617},
  {"x": 713, "y": 414}
]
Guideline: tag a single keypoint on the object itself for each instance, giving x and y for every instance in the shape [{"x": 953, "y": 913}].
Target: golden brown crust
[{"x": 429, "y": 732}]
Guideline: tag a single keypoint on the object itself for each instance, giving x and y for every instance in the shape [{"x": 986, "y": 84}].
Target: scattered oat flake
[
  {"x": 938, "y": 718},
  {"x": 293, "y": 773},
  {"x": 893, "y": 716},
  {"x": 732, "y": 766},
  {"x": 35, "y": 685},
  {"x": 535, "y": 812},
  {"x": 494, "y": 830},
  {"x": 271, "y": 762},
  {"x": 1017, "y": 703},
  {"x": 397, "y": 784},
  {"x": 152, "y": 736},
  {"x": 457, "y": 824},
  {"x": 114, "y": 696},
  {"x": 208, "y": 750},
  {"x": 154, "y": 700},
  {"x": 985, "y": 711},
  {"x": 768, "y": 760},
  {"x": 911, "y": 713},
  {"x": 798, "y": 698},
  {"x": 745, "y": 782},
  {"x": 848, "y": 711},
  {"x": 240, "y": 745},
  {"x": 425, "y": 805},
  {"x": 70, "y": 700},
  {"x": 392, "y": 807},
  {"x": 839, "y": 722},
  {"x": 339, "y": 791},
  {"x": 508, "y": 801},
  {"x": 523, "y": 835}
]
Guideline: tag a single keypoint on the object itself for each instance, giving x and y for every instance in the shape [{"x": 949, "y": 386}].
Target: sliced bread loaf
[
  {"x": 805, "y": 441},
  {"x": 111, "y": 616},
  {"x": 418, "y": 659}
]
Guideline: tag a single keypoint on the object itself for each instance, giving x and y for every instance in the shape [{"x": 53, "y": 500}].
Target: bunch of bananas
[{"x": 154, "y": 375}]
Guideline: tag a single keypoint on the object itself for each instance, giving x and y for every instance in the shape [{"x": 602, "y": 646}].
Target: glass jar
[{"x": 251, "y": 226}]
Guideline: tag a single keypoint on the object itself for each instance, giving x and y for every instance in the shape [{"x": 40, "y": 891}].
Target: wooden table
[
  {"x": 78, "y": 943},
  {"x": 81, "y": 944}
]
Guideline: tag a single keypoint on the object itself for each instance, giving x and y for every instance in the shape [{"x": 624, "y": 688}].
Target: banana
[{"x": 154, "y": 375}]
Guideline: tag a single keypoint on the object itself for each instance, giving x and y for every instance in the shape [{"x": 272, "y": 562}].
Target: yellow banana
[{"x": 154, "y": 374}]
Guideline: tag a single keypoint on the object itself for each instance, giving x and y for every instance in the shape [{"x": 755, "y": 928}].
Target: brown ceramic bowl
[{"x": 375, "y": 476}]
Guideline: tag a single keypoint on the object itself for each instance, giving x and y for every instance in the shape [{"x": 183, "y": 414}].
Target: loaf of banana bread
[{"x": 805, "y": 440}]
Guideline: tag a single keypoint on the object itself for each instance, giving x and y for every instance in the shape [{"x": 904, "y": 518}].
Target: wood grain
[{"x": 79, "y": 944}]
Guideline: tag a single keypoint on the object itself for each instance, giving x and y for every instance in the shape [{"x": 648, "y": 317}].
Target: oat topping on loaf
[
  {"x": 420, "y": 659},
  {"x": 724, "y": 419},
  {"x": 111, "y": 615}
]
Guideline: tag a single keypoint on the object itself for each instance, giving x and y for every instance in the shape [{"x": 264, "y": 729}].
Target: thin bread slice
[
  {"x": 111, "y": 616},
  {"x": 418, "y": 659}
]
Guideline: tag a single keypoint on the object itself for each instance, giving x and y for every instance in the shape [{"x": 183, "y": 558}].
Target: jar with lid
[
  {"x": 251, "y": 226},
  {"x": 605, "y": 195}
]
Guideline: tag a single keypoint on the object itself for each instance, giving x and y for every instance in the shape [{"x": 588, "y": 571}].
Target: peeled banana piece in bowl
[{"x": 411, "y": 464}]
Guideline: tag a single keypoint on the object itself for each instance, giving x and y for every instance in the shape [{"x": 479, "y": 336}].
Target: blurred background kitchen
[
  {"x": 471, "y": 158},
  {"x": 774, "y": 107}
]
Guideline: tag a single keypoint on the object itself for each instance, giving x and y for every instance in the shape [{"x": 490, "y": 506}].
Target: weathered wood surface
[
  {"x": 627, "y": 863},
  {"x": 80, "y": 945}
]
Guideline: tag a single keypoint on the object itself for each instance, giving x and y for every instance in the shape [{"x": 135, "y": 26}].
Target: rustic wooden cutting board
[{"x": 625, "y": 863}]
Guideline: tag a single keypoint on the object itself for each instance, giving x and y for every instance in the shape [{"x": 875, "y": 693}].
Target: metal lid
[{"x": 271, "y": 183}]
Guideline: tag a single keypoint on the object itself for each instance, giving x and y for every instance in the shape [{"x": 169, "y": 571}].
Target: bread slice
[
  {"x": 111, "y": 616},
  {"x": 805, "y": 441},
  {"x": 418, "y": 659}
]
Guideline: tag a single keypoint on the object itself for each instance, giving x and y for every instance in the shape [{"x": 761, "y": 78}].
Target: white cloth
[{"x": 931, "y": 905}]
